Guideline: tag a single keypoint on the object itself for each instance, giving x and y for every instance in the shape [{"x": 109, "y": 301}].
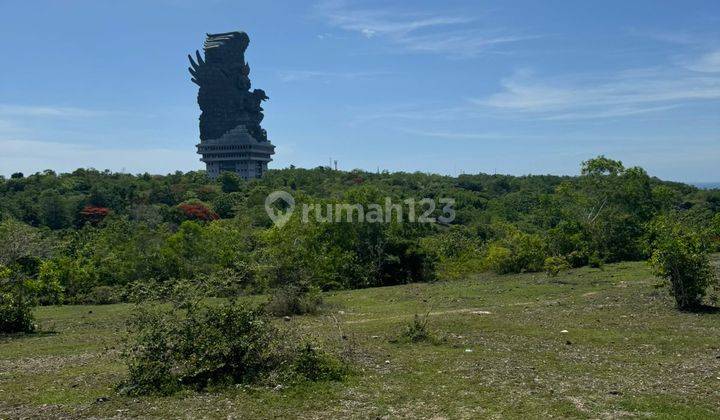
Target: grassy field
[{"x": 589, "y": 343}]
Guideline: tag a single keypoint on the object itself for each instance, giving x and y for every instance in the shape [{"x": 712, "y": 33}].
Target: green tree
[
  {"x": 53, "y": 210},
  {"x": 679, "y": 254},
  {"x": 229, "y": 182}
]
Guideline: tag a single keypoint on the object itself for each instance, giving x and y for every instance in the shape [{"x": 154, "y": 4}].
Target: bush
[
  {"x": 577, "y": 258},
  {"x": 198, "y": 345},
  {"x": 295, "y": 299},
  {"x": 519, "y": 252},
  {"x": 457, "y": 253},
  {"x": 417, "y": 330},
  {"x": 679, "y": 255},
  {"x": 48, "y": 284},
  {"x": 230, "y": 282},
  {"x": 15, "y": 305},
  {"x": 104, "y": 295},
  {"x": 15, "y": 314},
  {"x": 146, "y": 290},
  {"x": 554, "y": 265},
  {"x": 316, "y": 365},
  {"x": 499, "y": 259},
  {"x": 595, "y": 261}
]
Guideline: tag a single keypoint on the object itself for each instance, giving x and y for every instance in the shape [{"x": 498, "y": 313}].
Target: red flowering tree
[
  {"x": 197, "y": 211},
  {"x": 94, "y": 214}
]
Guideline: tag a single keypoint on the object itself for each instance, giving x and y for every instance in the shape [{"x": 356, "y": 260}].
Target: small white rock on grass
[{"x": 481, "y": 312}]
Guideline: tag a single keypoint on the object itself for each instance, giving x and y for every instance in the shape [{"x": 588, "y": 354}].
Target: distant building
[
  {"x": 231, "y": 138},
  {"x": 236, "y": 151}
]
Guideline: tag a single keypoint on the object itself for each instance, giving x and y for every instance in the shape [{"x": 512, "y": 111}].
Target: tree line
[{"x": 99, "y": 237}]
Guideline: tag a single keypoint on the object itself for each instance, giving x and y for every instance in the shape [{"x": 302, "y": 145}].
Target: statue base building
[{"x": 236, "y": 151}]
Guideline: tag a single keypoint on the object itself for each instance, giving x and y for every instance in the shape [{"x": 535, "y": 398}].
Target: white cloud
[
  {"x": 30, "y": 156},
  {"x": 708, "y": 63},
  {"x": 48, "y": 111},
  {"x": 621, "y": 94},
  {"x": 381, "y": 22},
  {"x": 455, "y": 35},
  {"x": 301, "y": 75},
  {"x": 452, "y": 135}
]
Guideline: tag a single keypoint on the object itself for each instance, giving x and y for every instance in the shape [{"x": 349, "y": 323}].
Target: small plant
[
  {"x": 595, "y": 261},
  {"x": 554, "y": 265},
  {"x": 103, "y": 295},
  {"x": 314, "y": 364},
  {"x": 417, "y": 331},
  {"x": 577, "y": 258},
  {"x": 295, "y": 299}
]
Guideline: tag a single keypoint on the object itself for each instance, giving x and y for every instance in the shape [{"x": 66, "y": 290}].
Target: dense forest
[{"x": 98, "y": 237}]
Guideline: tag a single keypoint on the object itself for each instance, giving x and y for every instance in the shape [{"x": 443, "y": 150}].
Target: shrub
[
  {"x": 595, "y": 261},
  {"x": 417, "y": 330},
  {"x": 577, "y": 258},
  {"x": 517, "y": 253},
  {"x": 15, "y": 314},
  {"x": 499, "y": 259},
  {"x": 314, "y": 364},
  {"x": 230, "y": 282},
  {"x": 15, "y": 305},
  {"x": 457, "y": 252},
  {"x": 146, "y": 290},
  {"x": 48, "y": 285},
  {"x": 295, "y": 299},
  {"x": 554, "y": 265},
  {"x": 104, "y": 295},
  {"x": 198, "y": 345},
  {"x": 679, "y": 255},
  {"x": 714, "y": 232}
]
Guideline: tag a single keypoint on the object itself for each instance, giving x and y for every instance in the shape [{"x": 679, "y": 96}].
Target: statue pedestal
[{"x": 236, "y": 151}]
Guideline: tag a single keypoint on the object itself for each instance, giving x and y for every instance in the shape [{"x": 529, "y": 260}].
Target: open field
[{"x": 500, "y": 351}]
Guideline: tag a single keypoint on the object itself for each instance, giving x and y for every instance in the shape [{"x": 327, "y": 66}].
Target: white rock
[{"x": 564, "y": 331}]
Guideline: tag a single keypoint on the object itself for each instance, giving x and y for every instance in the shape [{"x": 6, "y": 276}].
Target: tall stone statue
[{"x": 230, "y": 111}]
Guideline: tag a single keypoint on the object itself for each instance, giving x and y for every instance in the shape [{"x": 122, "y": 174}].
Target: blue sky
[{"x": 448, "y": 87}]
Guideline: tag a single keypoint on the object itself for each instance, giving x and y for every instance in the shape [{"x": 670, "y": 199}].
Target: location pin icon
[{"x": 279, "y": 217}]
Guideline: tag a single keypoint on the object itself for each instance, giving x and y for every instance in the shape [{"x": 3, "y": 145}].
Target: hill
[{"x": 96, "y": 236}]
